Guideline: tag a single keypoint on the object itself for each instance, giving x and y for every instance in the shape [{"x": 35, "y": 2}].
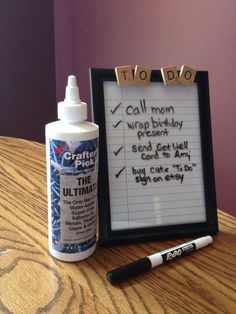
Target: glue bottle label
[{"x": 73, "y": 166}]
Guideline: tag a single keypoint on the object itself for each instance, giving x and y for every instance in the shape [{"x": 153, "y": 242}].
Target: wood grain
[
  {"x": 31, "y": 281},
  {"x": 124, "y": 75},
  {"x": 170, "y": 75},
  {"x": 187, "y": 75},
  {"x": 142, "y": 75}
]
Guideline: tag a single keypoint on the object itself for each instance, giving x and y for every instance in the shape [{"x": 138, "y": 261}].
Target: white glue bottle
[{"x": 72, "y": 167}]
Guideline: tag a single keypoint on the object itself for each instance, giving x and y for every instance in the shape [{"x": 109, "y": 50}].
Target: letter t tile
[{"x": 124, "y": 75}]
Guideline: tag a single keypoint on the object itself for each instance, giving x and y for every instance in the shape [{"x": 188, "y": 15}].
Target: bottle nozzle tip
[
  {"x": 72, "y": 109},
  {"x": 72, "y": 82},
  {"x": 72, "y": 90}
]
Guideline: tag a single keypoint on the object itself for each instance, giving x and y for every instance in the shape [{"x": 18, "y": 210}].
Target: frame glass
[{"x": 156, "y": 174}]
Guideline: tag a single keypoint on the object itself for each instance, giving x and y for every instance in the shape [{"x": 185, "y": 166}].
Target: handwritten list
[{"x": 154, "y": 155}]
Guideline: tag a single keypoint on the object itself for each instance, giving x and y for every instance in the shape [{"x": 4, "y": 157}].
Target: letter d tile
[{"x": 170, "y": 75}]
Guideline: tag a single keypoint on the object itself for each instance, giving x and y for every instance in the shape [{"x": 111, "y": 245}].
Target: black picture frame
[{"x": 107, "y": 236}]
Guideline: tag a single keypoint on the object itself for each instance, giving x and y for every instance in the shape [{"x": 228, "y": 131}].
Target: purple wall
[
  {"x": 157, "y": 33},
  {"x": 27, "y": 68}
]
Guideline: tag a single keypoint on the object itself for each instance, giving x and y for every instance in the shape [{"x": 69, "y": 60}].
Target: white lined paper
[{"x": 158, "y": 121}]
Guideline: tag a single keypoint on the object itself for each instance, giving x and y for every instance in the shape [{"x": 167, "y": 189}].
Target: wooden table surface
[{"x": 31, "y": 281}]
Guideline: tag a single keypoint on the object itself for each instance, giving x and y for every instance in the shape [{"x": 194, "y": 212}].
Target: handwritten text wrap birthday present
[{"x": 155, "y": 158}]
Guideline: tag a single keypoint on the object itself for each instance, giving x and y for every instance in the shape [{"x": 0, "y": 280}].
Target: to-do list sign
[
  {"x": 154, "y": 157},
  {"x": 152, "y": 161}
]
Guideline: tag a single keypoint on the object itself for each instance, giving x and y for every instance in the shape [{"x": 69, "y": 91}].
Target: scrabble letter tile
[
  {"x": 142, "y": 75},
  {"x": 124, "y": 75},
  {"x": 187, "y": 75},
  {"x": 170, "y": 75}
]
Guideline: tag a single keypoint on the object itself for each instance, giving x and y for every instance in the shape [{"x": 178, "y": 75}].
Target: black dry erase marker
[{"x": 148, "y": 262}]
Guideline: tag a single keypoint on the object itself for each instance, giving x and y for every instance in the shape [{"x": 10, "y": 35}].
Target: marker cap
[{"x": 130, "y": 270}]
